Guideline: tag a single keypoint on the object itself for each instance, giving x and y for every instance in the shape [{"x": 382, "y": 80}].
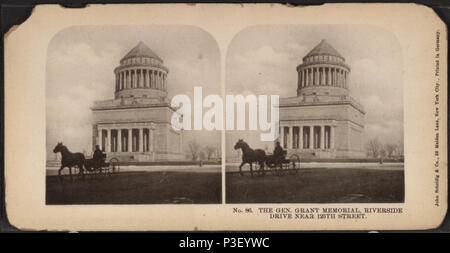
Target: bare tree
[
  {"x": 390, "y": 149},
  {"x": 382, "y": 152},
  {"x": 373, "y": 147},
  {"x": 194, "y": 149},
  {"x": 400, "y": 148},
  {"x": 201, "y": 155},
  {"x": 210, "y": 151}
]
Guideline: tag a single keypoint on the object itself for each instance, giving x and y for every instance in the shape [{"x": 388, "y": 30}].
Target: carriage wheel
[
  {"x": 277, "y": 169},
  {"x": 294, "y": 164},
  {"x": 114, "y": 166}
]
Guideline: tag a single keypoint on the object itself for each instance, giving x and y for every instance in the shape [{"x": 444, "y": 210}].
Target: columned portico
[
  {"x": 317, "y": 136},
  {"x": 125, "y": 139}
]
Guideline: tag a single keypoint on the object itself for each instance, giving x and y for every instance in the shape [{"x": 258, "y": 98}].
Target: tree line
[
  {"x": 197, "y": 152},
  {"x": 377, "y": 149}
]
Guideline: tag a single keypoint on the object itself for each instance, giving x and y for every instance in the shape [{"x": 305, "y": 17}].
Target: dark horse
[
  {"x": 250, "y": 156},
  {"x": 69, "y": 159}
]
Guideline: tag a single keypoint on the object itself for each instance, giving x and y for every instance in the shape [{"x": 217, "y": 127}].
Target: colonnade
[
  {"x": 307, "y": 137},
  {"x": 322, "y": 76},
  {"x": 141, "y": 78},
  {"x": 136, "y": 139}
]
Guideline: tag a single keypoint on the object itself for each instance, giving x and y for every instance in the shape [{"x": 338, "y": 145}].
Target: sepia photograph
[
  {"x": 340, "y": 115},
  {"x": 226, "y": 117},
  {"x": 109, "y": 135}
]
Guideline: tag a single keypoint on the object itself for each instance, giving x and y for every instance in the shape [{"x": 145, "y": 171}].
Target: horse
[
  {"x": 69, "y": 159},
  {"x": 250, "y": 156}
]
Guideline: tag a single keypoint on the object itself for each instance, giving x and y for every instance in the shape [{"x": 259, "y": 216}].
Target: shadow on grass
[
  {"x": 318, "y": 186},
  {"x": 136, "y": 188}
]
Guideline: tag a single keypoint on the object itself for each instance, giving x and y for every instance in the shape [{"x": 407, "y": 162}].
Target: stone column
[
  {"x": 345, "y": 79},
  {"x": 130, "y": 140},
  {"x": 311, "y": 137},
  {"x": 108, "y": 141},
  {"x": 291, "y": 137},
  {"x": 282, "y": 136},
  {"x": 119, "y": 140},
  {"x": 300, "y": 137},
  {"x": 317, "y": 83},
  {"x": 302, "y": 83},
  {"x": 165, "y": 82},
  {"x": 144, "y": 78},
  {"x": 117, "y": 82},
  {"x": 128, "y": 79},
  {"x": 135, "y": 80},
  {"x": 138, "y": 78},
  {"x": 331, "y": 137},
  {"x": 159, "y": 80},
  {"x": 141, "y": 139},
  {"x": 144, "y": 142},
  {"x": 100, "y": 139},
  {"x": 322, "y": 137},
  {"x": 328, "y": 77},
  {"x": 338, "y": 79},
  {"x": 148, "y": 79},
  {"x": 124, "y": 79},
  {"x": 322, "y": 75},
  {"x": 152, "y": 79},
  {"x": 151, "y": 140},
  {"x": 306, "y": 78},
  {"x": 131, "y": 78},
  {"x": 334, "y": 76},
  {"x": 120, "y": 80},
  {"x": 331, "y": 76},
  {"x": 309, "y": 77}
]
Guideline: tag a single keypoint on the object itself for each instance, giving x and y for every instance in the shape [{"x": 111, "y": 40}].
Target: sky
[
  {"x": 259, "y": 60},
  {"x": 263, "y": 60},
  {"x": 80, "y": 70}
]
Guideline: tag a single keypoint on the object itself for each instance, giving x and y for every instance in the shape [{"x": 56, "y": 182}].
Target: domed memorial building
[
  {"x": 136, "y": 124},
  {"x": 323, "y": 120}
]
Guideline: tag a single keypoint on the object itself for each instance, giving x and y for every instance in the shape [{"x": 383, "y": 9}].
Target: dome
[
  {"x": 141, "y": 50},
  {"x": 323, "y": 72},
  {"x": 141, "y": 74},
  {"x": 324, "y": 48}
]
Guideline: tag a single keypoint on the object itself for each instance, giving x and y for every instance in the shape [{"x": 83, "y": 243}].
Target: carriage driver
[
  {"x": 278, "y": 153},
  {"x": 97, "y": 157}
]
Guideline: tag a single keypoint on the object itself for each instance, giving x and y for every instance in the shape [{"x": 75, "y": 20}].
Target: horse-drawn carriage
[
  {"x": 276, "y": 164},
  {"x": 102, "y": 167},
  {"x": 82, "y": 166},
  {"x": 280, "y": 165}
]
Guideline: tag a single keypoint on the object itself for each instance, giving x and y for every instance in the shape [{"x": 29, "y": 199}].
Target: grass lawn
[
  {"x": 318, "y": 186},
  {"x": 137, "y": 188}
]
